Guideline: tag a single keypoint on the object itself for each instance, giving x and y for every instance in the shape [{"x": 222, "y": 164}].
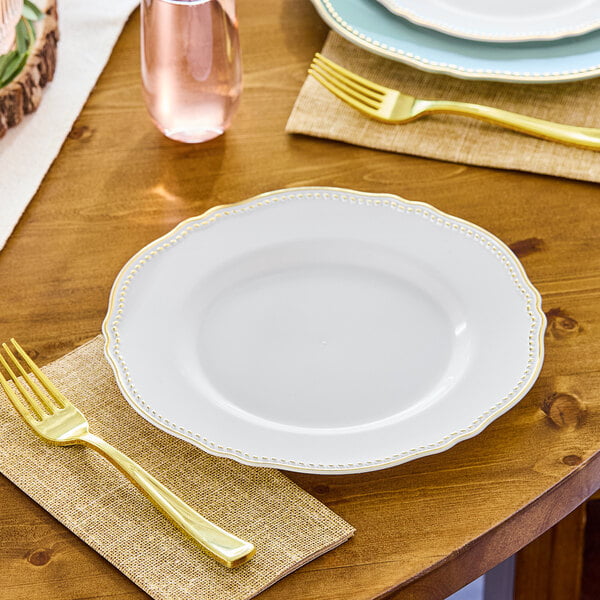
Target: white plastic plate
[{"x": 324, "y": 330}]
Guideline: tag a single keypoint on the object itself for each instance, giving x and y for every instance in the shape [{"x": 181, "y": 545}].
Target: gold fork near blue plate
[{"x": 392, "y": 106}]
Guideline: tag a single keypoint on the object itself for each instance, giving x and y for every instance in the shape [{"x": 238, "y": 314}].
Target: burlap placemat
[
  {"x": 457, "y": 139},
  {"x": 88, "y": 495}
]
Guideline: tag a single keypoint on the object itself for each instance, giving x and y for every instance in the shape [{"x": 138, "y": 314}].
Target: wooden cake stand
[{"x": 24, "y": 94}]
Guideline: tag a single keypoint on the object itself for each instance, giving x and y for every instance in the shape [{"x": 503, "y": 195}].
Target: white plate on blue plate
[
  {"x": 502, "y": 20},
  {"x": 324, "y": 330},
  {"x": 368, "y": 24}
]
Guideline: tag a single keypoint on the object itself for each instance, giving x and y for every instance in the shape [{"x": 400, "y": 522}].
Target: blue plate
[{"x": 371, "y": 26}]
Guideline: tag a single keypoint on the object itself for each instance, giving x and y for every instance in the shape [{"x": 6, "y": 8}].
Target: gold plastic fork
[
  {"x": 56, "y": 420},
  {"x": 391, "y": 106}
]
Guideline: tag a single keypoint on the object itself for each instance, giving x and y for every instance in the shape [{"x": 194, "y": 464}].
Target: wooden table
[{"x": 424, "y": 529}]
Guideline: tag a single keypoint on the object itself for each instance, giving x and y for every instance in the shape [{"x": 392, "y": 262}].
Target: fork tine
[
  {"x": 354, "y": 82},
  {"x": 353, "y": 76},
  {"x": 348, "y": 86},
  {"x": 32, "y": 385},
  {"x": 17, "y": 403},
  {"x": 50, "y": 387},
  {"x": 342, "y": 95}
]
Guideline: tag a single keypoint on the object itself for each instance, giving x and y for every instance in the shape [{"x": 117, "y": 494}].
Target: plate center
[{"x": 328, "y": 345}]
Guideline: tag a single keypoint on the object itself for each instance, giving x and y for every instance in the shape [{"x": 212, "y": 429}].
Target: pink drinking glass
[{"x": 191, "y": 66}]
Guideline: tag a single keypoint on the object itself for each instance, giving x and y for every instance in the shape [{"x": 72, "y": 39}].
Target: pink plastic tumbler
[{"x": 191, "y": 66}]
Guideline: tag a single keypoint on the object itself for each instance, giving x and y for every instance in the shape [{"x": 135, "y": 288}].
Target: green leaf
[
  {"x": 13, "y": 68},
  {"x": 13, "y": 62},
  {"x": 31, "y": 11},
  {"x": 22, "y": 34},
  {"x": 5, "y": 59},
  {"x": 30, "y": 32}
]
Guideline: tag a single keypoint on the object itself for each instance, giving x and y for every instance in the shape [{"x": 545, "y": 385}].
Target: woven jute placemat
[
  {"x": 89, "y": 496},
  {"x": 456, "y": 139}
]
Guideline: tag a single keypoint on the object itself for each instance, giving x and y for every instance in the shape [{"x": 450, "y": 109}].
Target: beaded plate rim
[
  {"x": 110, "y": 326},
  {"x": 329, "y": 14}
]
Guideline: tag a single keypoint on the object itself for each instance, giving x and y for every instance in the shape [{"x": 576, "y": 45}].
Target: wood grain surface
[
  {"x": 550, "y": 568},
  {"x": 424, "y": 529}
]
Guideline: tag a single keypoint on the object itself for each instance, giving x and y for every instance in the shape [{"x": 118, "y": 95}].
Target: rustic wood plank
[
  {"x": 425, "y": 529},
  {"x": 590, "y": 584},
  {"x": 550, "y": 568}
]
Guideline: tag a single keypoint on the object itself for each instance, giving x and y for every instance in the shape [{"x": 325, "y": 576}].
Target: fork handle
[
  {"x": 584, "y": 137},
  {"x": 224, "y": 547}
]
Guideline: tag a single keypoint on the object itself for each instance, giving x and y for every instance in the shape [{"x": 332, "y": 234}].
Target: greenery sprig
[{"x": 13, "y": 62}]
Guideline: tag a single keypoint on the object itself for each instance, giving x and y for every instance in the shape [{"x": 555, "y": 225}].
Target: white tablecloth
[{"x": 88, "y": 32}]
